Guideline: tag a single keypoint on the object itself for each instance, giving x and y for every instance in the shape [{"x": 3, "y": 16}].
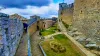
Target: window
[
  {"x": 19, "y": 34},
  {"x": 97, "y": 3},
  {"x": 6, "y": 30},
  {"x": 7, "y": 38},
  {"x": 81, "y": 11}
]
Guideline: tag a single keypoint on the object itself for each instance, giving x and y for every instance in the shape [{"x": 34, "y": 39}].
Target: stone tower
[
  {"x": 66, "y": 13},
  {"x": 86, "y": 17}
]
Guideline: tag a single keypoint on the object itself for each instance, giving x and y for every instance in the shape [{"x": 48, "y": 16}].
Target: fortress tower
[{"x": 66, "y": 13}]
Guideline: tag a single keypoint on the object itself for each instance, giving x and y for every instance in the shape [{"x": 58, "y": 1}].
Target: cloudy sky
[{"x": 26, "y": 8}]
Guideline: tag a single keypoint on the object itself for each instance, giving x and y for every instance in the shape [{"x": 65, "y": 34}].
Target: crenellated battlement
[{"x": 64, "y": 6}]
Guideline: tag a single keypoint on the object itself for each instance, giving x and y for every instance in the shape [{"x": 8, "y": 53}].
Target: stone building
[
  {"x": 66, "y": 12},
  {"x": 39, "y": 22},
  {"x": 11, "y": 31},
  {"x": 48, "y": 23},
  {"x": 34, "y": 24},
  {"x": 86, "y": 18}
]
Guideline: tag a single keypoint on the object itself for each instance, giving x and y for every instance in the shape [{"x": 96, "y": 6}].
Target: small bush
[{"x": 57, "y": 47}]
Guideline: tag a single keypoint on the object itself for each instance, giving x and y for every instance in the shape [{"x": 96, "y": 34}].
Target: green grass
[
  {"x": 71, "y": 50},
  {"x": 49, "y": 31}
]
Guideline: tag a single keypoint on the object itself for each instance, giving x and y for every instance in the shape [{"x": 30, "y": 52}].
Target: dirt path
[
  {"x": 35, "y": 40},
  {"x": 46, "y": 37},
  {"x": 22, "y": 48}
]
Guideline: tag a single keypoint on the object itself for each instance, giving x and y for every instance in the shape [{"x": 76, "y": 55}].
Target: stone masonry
[
  {"x": 87, "y": 18},
  {"x": 11, "y": 31},
  {"x": 48, "y": 23},
  {"x": 66, "y": 12}
]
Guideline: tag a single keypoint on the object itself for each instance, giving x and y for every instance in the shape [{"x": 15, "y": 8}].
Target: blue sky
[{"x": 26, "y": 8}]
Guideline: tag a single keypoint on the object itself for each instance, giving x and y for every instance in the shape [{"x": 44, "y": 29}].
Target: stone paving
[
  {"x": 35, "y": 40},
  {"x": 22, "y": 48}
]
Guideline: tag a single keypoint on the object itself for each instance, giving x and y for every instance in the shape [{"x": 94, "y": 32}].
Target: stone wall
[
  {"x": 10, "y": 35},
  {"x": 32, "y": 29},
  {"x": 48, "y": 23},
  {"x": 66, "y": 12},
  {"x": 87, "y": 17},
  {"x": 32, "y": 25},
  {"x": 40, "y": 24}
]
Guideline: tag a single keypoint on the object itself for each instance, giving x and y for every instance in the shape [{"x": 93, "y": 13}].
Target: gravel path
[
  {"x": 22, "y": 48},
  {"x": 35, "y": 40}
]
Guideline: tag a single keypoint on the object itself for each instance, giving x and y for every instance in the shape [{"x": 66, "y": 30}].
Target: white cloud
[
  {"x": 69, "y": 1},
  {"x": 44, "y": 11},
  {"x": 53, "y": 16}
]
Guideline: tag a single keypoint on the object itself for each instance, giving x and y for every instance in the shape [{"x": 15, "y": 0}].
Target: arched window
[
  {"x": 94, "y": 21},
  {"x": 81, "y": 11}
]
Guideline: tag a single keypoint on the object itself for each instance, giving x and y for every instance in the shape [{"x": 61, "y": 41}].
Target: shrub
[{"x": 57, "y": 47}]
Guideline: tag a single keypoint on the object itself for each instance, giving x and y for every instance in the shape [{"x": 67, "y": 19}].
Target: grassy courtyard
[
  {"x": 71, "y": 50},
  {"x": 49, "y": 31}
]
